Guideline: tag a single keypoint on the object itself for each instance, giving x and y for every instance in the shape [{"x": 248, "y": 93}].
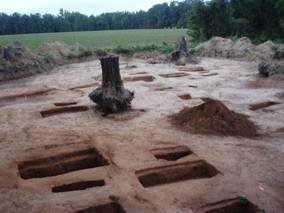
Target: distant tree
[
  {"x": 198, "y": 22},
  {"x": 159, "y": 16},
  {"x": 257, "y": 19}
]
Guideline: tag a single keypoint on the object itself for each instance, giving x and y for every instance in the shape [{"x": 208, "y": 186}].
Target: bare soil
[{"x": 137, "y": 161}]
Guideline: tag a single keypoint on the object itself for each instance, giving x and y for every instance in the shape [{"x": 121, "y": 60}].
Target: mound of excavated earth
[
  {"x": 213, "y": 117},
  {"x": 242, "y": 48},
  {"x": 17, "y": 61}
]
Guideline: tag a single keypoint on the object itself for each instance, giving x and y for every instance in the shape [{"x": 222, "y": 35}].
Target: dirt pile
[
  {"x": 18, "y": 61},
  {"x": 59, "y": 53},
  {"x": 242, "y": 48},
  {"x": 213, "y": 117},
  {"x": 55, "y": 52}
]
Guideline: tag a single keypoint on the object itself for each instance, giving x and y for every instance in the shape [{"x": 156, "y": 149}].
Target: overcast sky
[{"x": 83, "y": 6}]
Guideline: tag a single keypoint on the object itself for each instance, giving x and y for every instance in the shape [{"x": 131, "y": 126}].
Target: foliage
[
  {"x": 258, "y": 19},
  {"x": 47, "y": 58},
  {"x": 85, "y": 54},
  {"x": 2, "y": 62},
  {"x": 123, "y": 50},
  {"x": 159, "y": 16},
  {"x": 101, "y": 52}
]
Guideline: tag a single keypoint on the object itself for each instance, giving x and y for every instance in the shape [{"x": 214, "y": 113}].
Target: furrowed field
[{"x": 99, "y": 39}]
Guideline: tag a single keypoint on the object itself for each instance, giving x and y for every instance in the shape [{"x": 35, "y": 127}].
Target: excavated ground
[{"x": 58, "y": 154}]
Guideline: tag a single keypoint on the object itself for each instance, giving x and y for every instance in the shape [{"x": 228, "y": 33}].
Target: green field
[{"x": 99, "y": 39}]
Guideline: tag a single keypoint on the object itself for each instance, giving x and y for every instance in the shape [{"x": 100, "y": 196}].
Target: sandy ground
[{"x": 252, "y": 168}]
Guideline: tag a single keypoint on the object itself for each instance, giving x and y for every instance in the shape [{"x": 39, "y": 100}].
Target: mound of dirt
[
  {"x": 240, "y": 49},
  {"x": 215, "y": 47},
  {"x": 213, "y": 117},
  {"x": 55, "y": 52},
  {"x": 18, "y": 61}
]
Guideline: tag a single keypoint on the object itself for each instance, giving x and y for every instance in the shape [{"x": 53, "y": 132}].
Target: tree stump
[
  {"x": 111, "y": 96},
  {"x": 181, "y": 56}
]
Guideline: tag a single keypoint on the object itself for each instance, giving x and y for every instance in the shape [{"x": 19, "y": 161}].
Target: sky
[{"x": 87, "y": 7}]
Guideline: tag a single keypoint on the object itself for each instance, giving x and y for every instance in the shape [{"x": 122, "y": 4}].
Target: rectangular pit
[
  {"x": 174, "y": 75},
  {"x": 55, "y": 111},
  {"x": 25, "y": 97},
  {"x": 237, "y": 205},
  {"x": 262, "y": 105},
  {"x": 112, "y": 207},
  {"x": 60, "y": 164},
  {"x": 81, "y": 185},
  {"x": 62, "y": 104},
  {"x": 146, "y": 78},
  {"x": 175, "y": 173},
  {"x": 171, "y": 153}
]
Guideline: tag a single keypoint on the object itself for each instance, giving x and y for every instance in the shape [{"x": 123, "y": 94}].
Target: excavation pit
[
  {"x": 185, "y": 97},
  {"x": 61, "y": 164},
  {"x": 84, "y": 86},
  {"x": 62, "y": 110},
  {"x": 163, "y": 88},
  {"x": 81, "y": 185},
  {"x": 146, "y": 78},
  {"x": 25, "y": 97},
  {"x": 174, "y": 75},
  {"x": 211, "y": 74},
  {"x": 112, "y": 207},
  {"x": 175, "y": 173},
  {"x": 138, "y": 73},
  {"x": 237, "y": 205},
  {"x": 171, "y": 153},
  {"x": 60, "y": 104},
  {"x": 192, "y": 69},
  {"x": 262, "y": 105}
]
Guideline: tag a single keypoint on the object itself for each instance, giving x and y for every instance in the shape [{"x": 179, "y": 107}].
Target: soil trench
[{"x": 60, "y": 164}]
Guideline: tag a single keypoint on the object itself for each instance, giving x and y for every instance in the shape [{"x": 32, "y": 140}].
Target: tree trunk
[
  {"x": 181, "y": 55},
  {"x": 182, "y": 46},
  {"x": 111, "y": 96}
]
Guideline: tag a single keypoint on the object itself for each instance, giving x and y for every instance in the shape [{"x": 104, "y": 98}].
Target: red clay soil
[{"x": 213, "y": 117}]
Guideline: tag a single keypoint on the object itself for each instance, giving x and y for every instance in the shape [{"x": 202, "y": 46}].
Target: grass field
[{"x": 99, "y": 39}]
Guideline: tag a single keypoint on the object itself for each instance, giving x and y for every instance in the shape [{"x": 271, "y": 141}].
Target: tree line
[
  {"x": 163, "y": 15},
  {"x": 259, "y": 20}
]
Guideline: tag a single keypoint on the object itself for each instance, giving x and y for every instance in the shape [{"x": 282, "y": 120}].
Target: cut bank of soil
[
  {"x": 213, "y": 117},
  {"x": 146, "y": 78},
  {"x": 105, "y": 208},
  {"x": 236, "y": 205},
  {"x": 61, "y": 164},
  {"x": 176, "y": 172},
  {"x": 262, "y": 105}
]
